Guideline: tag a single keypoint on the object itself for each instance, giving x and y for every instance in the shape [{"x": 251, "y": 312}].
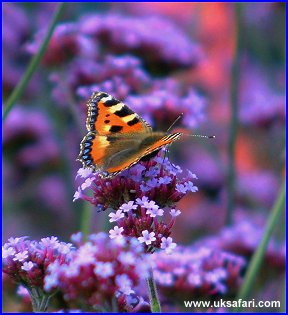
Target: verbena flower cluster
[
  {"x": 142, "y": 200},
  {"x": 27, "y": 262},
  {"x": 97, "y": 273},
  {"x": 193, "y": 271},
  {"x": 103, "y": 53},
  {"x": 243, "y": 238}
]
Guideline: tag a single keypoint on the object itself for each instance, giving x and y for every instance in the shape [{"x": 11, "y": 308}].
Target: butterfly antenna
[
  {"x": 200, "y": 136},
  {"x": 175, "y": 121}
]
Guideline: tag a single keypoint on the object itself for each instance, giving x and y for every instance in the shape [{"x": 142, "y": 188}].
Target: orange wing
[
  {"x": 107, "y": 115},
  {"x": 117, "y": 137},
  {"x": 114, "y": 154},
  {"x": 124, "y": 159}
]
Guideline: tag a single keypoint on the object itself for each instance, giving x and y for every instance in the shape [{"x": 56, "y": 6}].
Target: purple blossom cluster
[
  {"x": 118, "y": 75},
  {"x": 140, "y": 198},
  {"x": 13, "y": 39},
  {"x": 157, "y": 179},
  {"x": 198, "y": 271},
  {"x": 262, "y": 101},
  {"x": 33, "y": 130},
  {"x": 243, "y": 238},
  {"x": 27, "y": 262},
  {"x": 100, "y": 272},
  {"x": 66, "y": 43},
  {"x": 79, "y": 274},
  {"x": 166, "y": 101},
  {"x": 103, "y": 53},
  {"x": 149, "y": 38}
]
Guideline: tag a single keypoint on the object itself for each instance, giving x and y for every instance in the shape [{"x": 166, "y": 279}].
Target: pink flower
[
  {"x": 174, "y": 213},
  {"x": 116, "y": 232},
  {"x": 116, "y": 216},
  {"x": 155, "y": 212},
  {"x": 167, "y": 244},
  {"x": 27, "y": 266},
  {"x": 147, "y": 237},
  {"x": 128, "y": 206}
]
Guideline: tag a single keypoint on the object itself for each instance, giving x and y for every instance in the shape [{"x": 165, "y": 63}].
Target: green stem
[
  {"x": 258, "y": 257},
  {"x": 19, "y": 89},
  {"x": 39, "y": 300},
  {"x": 153, "y": 295},
  {"x": 235, "y": 78}
]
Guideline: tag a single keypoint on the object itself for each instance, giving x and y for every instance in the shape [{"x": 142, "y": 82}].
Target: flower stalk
[
  {"x": 258, "y": 257},
  {"x": 235, "y": 78},
  {"x": 39, "y": 299},
  {"x": 153, "y": 295},
  {"x": 21, "y": 86}
]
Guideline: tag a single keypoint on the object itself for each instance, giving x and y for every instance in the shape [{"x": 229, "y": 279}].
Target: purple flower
[
  {"x": 88, "y": 182},
  {"x": 26, "y": 262},
  {"x": 84, "y": 172},
  {"x": 181, "y": 188},
  {"x": 128, "y": 206},
  {"x": 175, "y": 213},
  {"x": 196, "y": 270},
  {"x": 163, "y": 106},
  {"x": 116, "y": 232},
  {"x": 23, "y": 292},
  {"x": 103, "y": 277},
  {"x": 244, "y": 238},
  {"x": 77, "y": 238},
  {"x": 124, "y": 284},
  {"x": 21, "y": 256},
  {"x": 104, "y": 270},
  {"x": 154, "y": 47},
  {"x": 190, "y": 186},
  {"x": 27, "y": 266},
  {"x": 150, "y": 205},
  {"x": 125, "y": 188},
  {"x": 147, "y": 237},
  {"x": 127, "y": 258},
  {"x": 164, "y": 180},
  {"x": 153, "y": 212},
  {"x": 167, "y": 244},
  {"x": 262, "y": 101},
  {"x": 142, "y": 201},
  {"x": 33, "y": 127},
  {"x": 10, "y": 251},
  {"x": 116, "y": 216},
  {"x": 52, "y": 242},
  {"x": 66, "y": 43}
]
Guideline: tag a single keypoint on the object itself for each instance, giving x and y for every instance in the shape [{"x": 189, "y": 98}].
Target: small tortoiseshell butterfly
[{"x": 117, "y": 137}]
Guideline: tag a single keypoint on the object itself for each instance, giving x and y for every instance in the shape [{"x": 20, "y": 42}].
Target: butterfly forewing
[{"x": 107, "y": 115}]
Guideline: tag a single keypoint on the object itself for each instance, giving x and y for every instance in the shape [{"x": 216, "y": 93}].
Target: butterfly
[{"x": 117, "y": 137}]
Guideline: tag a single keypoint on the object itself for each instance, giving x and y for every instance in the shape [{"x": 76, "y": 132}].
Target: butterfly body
[{"x": 117, "y": 137}]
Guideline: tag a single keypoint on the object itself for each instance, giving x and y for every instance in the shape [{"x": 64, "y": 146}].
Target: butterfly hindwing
[{"x": 133, "y": 151}]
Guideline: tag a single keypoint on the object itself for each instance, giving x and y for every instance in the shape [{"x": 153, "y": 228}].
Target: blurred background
[{"x": 219, "y": 64}]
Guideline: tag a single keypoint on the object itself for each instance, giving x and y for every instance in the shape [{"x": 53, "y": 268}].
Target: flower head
[
  {"x": 102, "y": 277},
  {"x": 27, "y": 261},
  {"x": 196, "y": 269},
  {"x": 167, "y": 244},
  {"x": 116, "y": 216},
  {"x": 116, "y": 232},
  {"x": 147, "y": 237}
]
